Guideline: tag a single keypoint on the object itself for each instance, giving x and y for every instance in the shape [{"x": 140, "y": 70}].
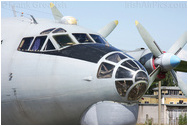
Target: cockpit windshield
[
  {"x": 98, "y": 39},
  {"x": 82, "y": 38},
  {"x": 63, "y": 40},
  {"x": 59, "y": 30},
  {"x": 25, "y": 43},
  {"x": 38, "y": 43},
  {"x": 47, "y": 31}
]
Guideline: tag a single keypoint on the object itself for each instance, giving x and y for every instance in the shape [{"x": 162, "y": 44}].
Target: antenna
[
  {"x": 14, "y": 12},
  {"x": 35, "y": 22}
]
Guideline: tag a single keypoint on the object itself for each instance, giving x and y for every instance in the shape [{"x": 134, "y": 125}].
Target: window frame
[
  {"x": 146, "y": 102},
  {"x": 49, "y": 32},
  {"x": 129, "y": 75},
  {"x": 59, "y": 34},
  {"x": 48, "y": 38},
  {"x": 171, "y": 102},
  {"x": 113, "y": 55},
  {"x": 92, "y": 40},
  {"x": 100, "y": 37},
  {"x": 109, "y": 72},
  {"x": 34, "y": 41},
  {"x": 29, "y": 45}
]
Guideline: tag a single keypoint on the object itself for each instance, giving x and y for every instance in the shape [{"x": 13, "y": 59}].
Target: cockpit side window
[
  {"x": 82, "y": 38},
  {"x": 59, "y": 30},
  {"x": 25, "y": 43},
  {"x": 38, "y": 43},
  {"x": 97, "y": 39},
  {"x": 47, "y": 31},
  {"x": 63, "y": 40},
  {"x": 49, "y": 45}
]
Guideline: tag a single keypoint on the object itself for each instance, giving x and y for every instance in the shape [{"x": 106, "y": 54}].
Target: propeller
[
  {"x": 106, "y": 30},
  {"x": 165, "y": 61},
  {"x": 56, "y": 13},
  {"x": 58, "y": 16}
]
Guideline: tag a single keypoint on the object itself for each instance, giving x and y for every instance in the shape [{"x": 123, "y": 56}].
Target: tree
[
  {"x": 183, "y": 119},
  {"x": 168, "y": 81},
  {"x": 180, "y": 120}
]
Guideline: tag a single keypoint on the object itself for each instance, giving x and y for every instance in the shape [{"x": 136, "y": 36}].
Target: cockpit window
[
  {"x": 141, "y": 76},
  {"x": 49, "y": 45},
  {"x": 123, "y": 86},
  {"x": 38, "y": 43},
  {"x": 59, "y": 30},
  {"x": 130, "y": 64},
  {"x": 63, "y": 40},
  {"x": 97, "y": 39},
  {"x": 105, "y": 70},
  {"x": 123, "y": 73},
  {"x": 140, "y": 65},
  {"x": 47, "y": 31},
  {"x": 82, "y": 38},
  {"x": 25, "y": 43},
  {"x": 116, "y": 57},
  {"x": 137, "y": 91}
]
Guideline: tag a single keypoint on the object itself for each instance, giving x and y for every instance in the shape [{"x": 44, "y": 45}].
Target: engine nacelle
[{"x": 148, "y": 61}]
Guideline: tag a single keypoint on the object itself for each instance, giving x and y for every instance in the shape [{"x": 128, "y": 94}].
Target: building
[
  {"x": 173, "y": 102},
  {"x": 170, "y": 95}
]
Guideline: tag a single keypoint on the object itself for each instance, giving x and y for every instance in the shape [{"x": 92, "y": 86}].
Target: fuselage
[{"x": 55, "y": 86}]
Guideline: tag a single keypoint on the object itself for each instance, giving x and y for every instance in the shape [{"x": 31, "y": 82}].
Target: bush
[{"x": 183, "y": 119}]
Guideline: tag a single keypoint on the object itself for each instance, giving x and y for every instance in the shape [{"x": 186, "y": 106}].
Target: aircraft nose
[
  {"x": 131, "y": 78},
  {"x": 174, "y": 61}
]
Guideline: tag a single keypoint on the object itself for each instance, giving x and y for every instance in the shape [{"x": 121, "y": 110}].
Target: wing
[{"x": 182, "y": 67}]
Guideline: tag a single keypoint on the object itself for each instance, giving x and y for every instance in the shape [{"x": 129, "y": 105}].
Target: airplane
[{"x": 57, "y": 72}]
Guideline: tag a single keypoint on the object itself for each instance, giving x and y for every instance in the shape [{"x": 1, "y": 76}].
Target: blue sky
[{"x": 166, "y": 21}]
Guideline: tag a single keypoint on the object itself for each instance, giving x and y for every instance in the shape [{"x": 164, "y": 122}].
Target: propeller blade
[
  {"x": 178, "y": 45},
  {"x": 153, "y": 75},
  {"x": 182, "y": 67},
  {"x": 106, "y": 30},
  {"x": 173, "y": 73},
  {"x": 56, "y": 13},
  {"x": 150, "y": 42},
  {"x": 181, "y": 84}
]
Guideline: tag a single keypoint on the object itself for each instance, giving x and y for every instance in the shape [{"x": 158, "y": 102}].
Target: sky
[{"x": 166, "y": 21}]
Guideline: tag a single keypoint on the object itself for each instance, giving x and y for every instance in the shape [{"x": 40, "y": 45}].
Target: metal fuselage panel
[{"x": 46, "y": 89}]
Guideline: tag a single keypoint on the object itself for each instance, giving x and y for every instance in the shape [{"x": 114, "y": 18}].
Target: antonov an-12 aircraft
[{"x": 61, "y": 73}]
